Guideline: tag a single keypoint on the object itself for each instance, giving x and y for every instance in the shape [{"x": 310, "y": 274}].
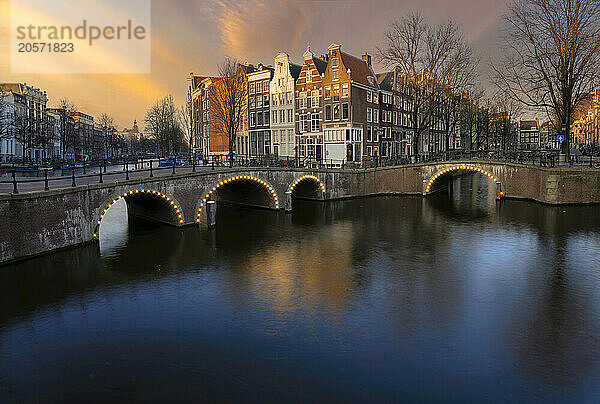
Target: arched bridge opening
[
  {"x": 239, "y": 190},
  {"x": 442, "y": 180},
  {"x": 146, "y": 204},
  {"x": 307, "y": 187}
]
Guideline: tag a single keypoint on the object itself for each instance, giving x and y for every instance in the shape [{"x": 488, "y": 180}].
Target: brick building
[
  {"x": 309, "y": 107},
  {"x": 350, "y": 107}
]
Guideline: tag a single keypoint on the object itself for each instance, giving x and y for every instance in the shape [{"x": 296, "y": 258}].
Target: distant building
[
  {"x": 529, "y": 135},
  {"x": 66, "y": 126},
  {"x": 132, "y": 138},
  {"x": 12, "y": 106},
  {"x": 549, "y": 136},
  {"x": 29, "y": 126}
]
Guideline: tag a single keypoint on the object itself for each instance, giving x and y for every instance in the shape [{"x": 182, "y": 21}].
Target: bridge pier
[
  {"x": 288, "y": 202},
  {"x": 211, "y": 214},
  {"x": 499, "y": 192}
]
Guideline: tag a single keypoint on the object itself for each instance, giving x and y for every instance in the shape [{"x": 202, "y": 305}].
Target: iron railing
[{"x": 32, "y": 178}]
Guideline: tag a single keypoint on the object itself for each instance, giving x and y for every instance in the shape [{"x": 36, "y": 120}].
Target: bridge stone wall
[{"x": 39, "y": 222}]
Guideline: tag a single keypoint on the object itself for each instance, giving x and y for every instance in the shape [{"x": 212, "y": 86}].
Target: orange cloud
[{"x": 278, "y": 25}]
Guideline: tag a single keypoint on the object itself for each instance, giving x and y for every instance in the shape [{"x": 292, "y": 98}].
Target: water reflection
[{"x": 375, "y": 299}]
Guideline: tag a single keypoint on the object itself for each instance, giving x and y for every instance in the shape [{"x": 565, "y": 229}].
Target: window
[
  {"x": 281, "y": 116},
  {"x": 280, "y": 82},
  {"x": 336, "y": 92},
  {"x": 336, "y": 111},
  {"x": 335, "y": 75},
  {"x": 302, "y": 101},
  {"x": 266, "y": 100},
  {"x": 265, "y": 87},
  {"x": 328, "y": 112},
  {"x": 345, "y": 111},
  {"x": 259, "y": 118},
  {"x": 252, "y": 103},
  {"x": 315, "y": 123},
  {"x": 252, "y": 123},
  {"x": 327, "y": 93},
  {"x": 309, "y": 76},
  {"x": 303, "y": 123},
  {"x": 290, "y": 118},
  {"x": 375, "y": 116},
  {"x": 274, "y": 100},
  {"x": 266, "y": 117},
  {"x": 345, "y": 91},
  {"x": 375, "y": 98},
  {"x": 251, "y": 88},
  {"x": 315, "y": 98},
  {"x": 288, "y": 97},
  {"x": 395, "y": 118},
  {"x": 274, "y": 118},
  {"x": 369, "y": 134},
  {"x": 259, "y": 100},
  {"x": 369, "y": 98},
  {"x": 334, "y": 62},
  {"x": 369, "y": 115}
]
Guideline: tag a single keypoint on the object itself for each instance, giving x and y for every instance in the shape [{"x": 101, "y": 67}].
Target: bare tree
[
  {"x": 184, "y": 115},
  {"x": 107, "y": 123},
  {"x": 226, "y": 102},
  {"x": 550, "y": 56},
  {"x": 67, "y": 131},
  {"x": 4, "y": 117},
  {"x": 163, "y": 125},
  {"x": 504, "y": 130},
  {"x": 434, "y": 61}
]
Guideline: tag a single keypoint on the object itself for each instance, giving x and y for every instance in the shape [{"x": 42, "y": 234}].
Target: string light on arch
[
  {"x": 307, "y": 177},
  {"x": 461, "y": 167},
  {"x": 140, "y": 191},
  {"x": 237, "y": 178}
]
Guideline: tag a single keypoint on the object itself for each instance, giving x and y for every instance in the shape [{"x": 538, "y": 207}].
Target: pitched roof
[
  {"x": 386, "y": 81},
  {"x": 359, "y": 69},
  {"x": 295, "y": 70},
  {"x": 320, "y": 64},
  {"x": 11, "y": 87},
  {"x": 246, "y": 68},
  {"x": 528, "y": 125}
]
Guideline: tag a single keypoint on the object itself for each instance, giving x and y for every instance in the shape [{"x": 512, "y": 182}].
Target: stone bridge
[{"x": 38, "y": 222}]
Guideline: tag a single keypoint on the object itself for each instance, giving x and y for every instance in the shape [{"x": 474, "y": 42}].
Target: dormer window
[{"x": 371, "y": 80}]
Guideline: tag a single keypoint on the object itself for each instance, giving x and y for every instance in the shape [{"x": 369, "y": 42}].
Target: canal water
[{"x": 446, "y": 299}]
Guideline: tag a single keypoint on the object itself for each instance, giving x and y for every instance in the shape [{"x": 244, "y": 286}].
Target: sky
[{"x": 196, "y": 35}]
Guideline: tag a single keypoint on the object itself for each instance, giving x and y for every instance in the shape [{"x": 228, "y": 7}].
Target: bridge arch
[
  {"x": 315, "y": 189},
  {"x": 212, "y": 192},
  {"x": 462, "y": 167},
  {"x": 166, "y": 202}
]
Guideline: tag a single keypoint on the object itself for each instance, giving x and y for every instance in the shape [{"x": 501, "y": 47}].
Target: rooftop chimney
[{"x": 367, "y": 58}]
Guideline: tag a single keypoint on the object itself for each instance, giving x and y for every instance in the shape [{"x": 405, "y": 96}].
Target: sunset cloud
[
  {"x": 194, "y": 36},
  {"x": 249, "y": 26}
]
